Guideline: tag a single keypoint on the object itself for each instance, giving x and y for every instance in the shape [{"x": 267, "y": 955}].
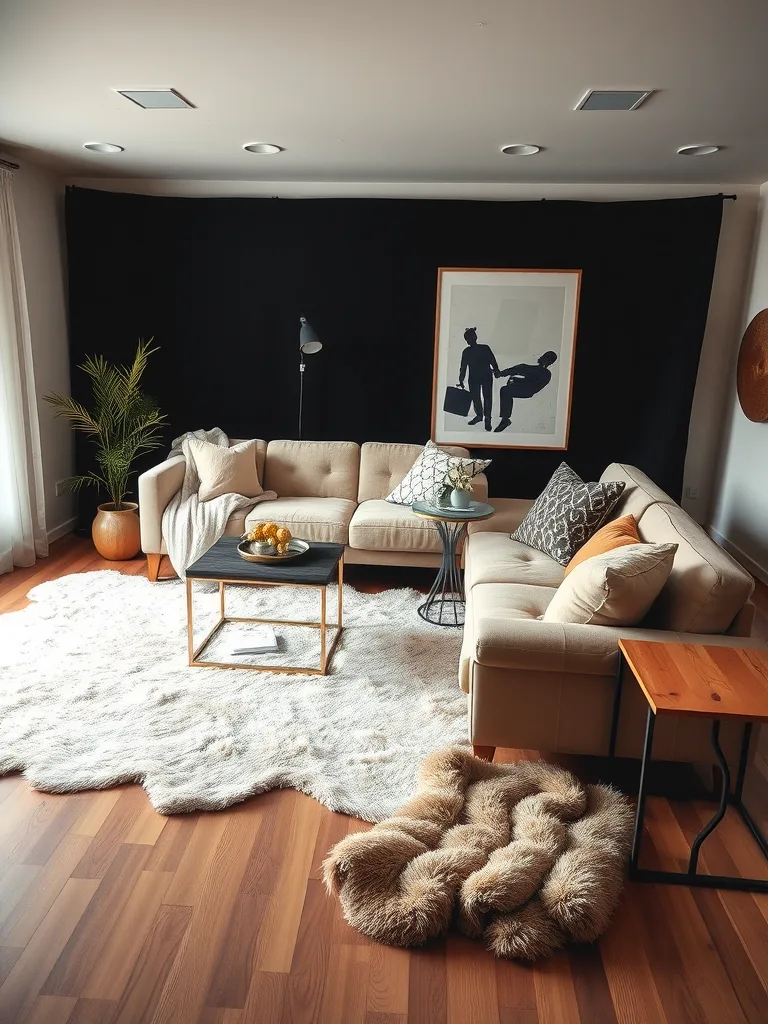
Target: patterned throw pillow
[
  {"x": 426, "y": 478},
  {"x": 567, "y": 513}
]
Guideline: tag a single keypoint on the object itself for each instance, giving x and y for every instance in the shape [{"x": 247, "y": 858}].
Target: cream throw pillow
[
  {"x": 613, "y": 589},
  {"x": 225, "y": 470}
]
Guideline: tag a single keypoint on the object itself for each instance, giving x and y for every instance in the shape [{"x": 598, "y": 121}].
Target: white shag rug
[{"x": 95, "y": 690}]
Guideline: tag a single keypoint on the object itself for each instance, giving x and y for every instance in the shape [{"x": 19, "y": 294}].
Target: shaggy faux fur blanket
[{"x": 523, "y": 855}]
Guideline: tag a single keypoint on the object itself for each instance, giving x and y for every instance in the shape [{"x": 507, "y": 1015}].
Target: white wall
[
  {"x": 39, "y": 201},
  {"x": 740, "y": 519},
  {"x": 728, "y": 288}
]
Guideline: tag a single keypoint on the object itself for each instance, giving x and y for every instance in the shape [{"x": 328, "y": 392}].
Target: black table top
[{"x": 318, "y": 567}]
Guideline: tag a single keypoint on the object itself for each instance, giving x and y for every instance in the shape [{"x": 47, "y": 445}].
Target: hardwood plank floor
[{"x": 113, "y": 914}]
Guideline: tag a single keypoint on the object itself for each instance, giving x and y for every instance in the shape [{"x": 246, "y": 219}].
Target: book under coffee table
[{"x": 321, "y": 566}]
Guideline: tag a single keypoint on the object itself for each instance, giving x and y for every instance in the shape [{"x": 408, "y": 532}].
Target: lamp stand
[{"x": 302, "y": 367}]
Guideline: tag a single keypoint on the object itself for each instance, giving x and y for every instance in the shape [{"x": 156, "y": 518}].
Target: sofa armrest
[
  {"x": 534, "y": 645},
  {"x": 156, "y": 488}
]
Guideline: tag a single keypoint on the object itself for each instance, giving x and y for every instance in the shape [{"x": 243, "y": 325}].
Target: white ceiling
[{"x": 388, "y": 90}]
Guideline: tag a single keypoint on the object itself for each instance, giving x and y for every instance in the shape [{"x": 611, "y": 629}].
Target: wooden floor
[{"x": 113, "y": 914}]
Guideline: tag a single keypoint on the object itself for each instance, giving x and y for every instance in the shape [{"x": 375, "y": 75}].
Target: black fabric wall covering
[{"x": 220, "y": 283}]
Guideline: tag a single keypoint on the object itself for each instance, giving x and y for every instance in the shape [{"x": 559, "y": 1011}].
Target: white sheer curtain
[{"x": 22, "y": 509}]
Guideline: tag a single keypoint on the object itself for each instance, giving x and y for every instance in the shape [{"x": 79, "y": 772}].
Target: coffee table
[
  {"x": 322, "y": 565},
  {"x": 447, "y": 592},
  {"x": 721, "y": 683}
]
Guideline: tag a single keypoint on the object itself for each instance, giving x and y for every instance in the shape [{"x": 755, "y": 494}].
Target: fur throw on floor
[{"x": 522, "y": 854}]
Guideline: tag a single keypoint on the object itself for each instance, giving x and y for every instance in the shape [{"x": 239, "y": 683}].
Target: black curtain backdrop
[{"x": 221, "y": 283}]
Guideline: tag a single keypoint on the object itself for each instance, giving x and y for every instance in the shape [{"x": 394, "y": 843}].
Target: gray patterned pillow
[
  {"x": 426, "y": 477},
  {"x": 567, "y": 513}
]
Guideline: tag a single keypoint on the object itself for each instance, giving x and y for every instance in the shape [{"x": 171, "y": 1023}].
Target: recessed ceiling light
[
  {"x": 156, "y": 99},
  {"x": 262, "y": 148},
  {"x": 698, "y": 150},
  {"x": 613, "y": 99},
  {"x": 103, "y": 147},
  {"x": 520, "y": 149}
]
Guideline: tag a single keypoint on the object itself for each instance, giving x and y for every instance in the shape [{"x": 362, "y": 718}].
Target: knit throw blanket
[
  {"x": 523, "y": 855},
  {"x": 191, "y": 526}
]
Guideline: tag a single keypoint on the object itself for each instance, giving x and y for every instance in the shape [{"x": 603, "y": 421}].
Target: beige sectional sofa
[
  {"x": 530, "y": 684},
  {"x": 331, "y": 491},
  {"x": 550, "y": 686}
]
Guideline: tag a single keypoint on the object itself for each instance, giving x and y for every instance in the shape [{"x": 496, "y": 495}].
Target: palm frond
[{"x": 74, "y": 411}]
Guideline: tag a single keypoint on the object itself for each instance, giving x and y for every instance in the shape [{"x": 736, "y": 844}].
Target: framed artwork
[{"x": 504, "y": 357}]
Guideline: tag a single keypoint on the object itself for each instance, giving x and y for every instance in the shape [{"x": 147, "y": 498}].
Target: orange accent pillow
[{"x": 615, "y": 534}]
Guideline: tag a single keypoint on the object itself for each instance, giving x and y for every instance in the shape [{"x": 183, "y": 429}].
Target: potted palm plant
[{"x": 123, "y": 422}]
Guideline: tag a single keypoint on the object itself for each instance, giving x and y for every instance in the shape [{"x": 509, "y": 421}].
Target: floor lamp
[{"x": 309, "y": 344}]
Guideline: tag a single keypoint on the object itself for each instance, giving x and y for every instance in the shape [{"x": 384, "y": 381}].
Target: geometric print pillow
[
  {"x": 567, "y": 513},
  {"x": 427, "y": 476}
]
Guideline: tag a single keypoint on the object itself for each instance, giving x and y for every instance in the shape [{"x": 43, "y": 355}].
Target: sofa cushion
[
  {"x": 639, "y": 493},
  {"x": 707, "y": 588},
  {"x": 379, "y": 524},
  {"x": 567, "y": 513},
  {"x": 496, "y": 558},
  {"x": 222, "y": 470},
  {"x": 615, "y": 588},
  {"x": 428, "y": 475},
  {"x": 312, "y": 469},
  {"x": 383, "y": 466},
  {"x": 319, "y": 519},
  {"x": 507, "y": 516},
  {"x": 615, "y": 534}
]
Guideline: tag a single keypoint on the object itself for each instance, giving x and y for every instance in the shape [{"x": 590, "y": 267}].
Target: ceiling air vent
[
  {"x": 156, "y": 99},
  {"x": 613, "y": 99}
]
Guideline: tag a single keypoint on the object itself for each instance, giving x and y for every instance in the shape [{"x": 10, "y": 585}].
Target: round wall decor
[{"x": 752, "y": 369}]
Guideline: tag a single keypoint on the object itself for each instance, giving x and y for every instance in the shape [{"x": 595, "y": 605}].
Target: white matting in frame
[{"x": 504, "y": 357}]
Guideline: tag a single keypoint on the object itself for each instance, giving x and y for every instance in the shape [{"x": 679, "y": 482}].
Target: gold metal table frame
[{"x": 326, "y": 650}]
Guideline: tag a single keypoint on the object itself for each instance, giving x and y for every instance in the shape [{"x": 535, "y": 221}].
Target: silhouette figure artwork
[
  {"x": 479, "y": 362},
  {"x": 525, "y": 381}
]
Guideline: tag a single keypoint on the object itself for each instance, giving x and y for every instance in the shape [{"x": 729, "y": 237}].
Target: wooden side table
[{"x": 721, "y": 683}]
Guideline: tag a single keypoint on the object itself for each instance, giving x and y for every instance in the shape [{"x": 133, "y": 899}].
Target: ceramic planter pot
[
  {"x": 460, "y": 499},
  {"x": 115, "y": 532}
]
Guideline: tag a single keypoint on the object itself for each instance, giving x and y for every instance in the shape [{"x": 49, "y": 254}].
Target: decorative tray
[{"x": 249, "y": 550}]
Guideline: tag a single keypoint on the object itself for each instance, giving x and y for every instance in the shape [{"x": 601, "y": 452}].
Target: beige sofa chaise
[
  {"x": 530, "y": 684},
  {"x": 549, "y": 686},
  {"x": 332, "y": 491}
]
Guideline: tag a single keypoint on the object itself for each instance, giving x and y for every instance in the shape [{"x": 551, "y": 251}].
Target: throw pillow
[
  {"x": 613, "y": 535},
  {"x": 225, "y": 470},
  {"x": 427, "y": 476},
  {"x": 613, "y": 589},
  {"x": 567, "y": 513}
]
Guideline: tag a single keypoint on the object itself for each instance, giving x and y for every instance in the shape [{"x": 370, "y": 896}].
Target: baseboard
[
  {"x": 749, "y": 563},
  {"x": 59, "y": 531}
]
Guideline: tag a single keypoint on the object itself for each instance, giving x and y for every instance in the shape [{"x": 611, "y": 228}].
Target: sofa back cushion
[
  {"x": 707, "y": 588},
  {"x": 260, "y": 448},
  {"x": 383, "y": 466},
  {"x": 639, "y": 490},
  {"x": 312, "y": 469}
]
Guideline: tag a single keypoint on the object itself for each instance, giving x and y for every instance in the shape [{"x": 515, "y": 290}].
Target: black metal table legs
[
  {"x": 444, "y": 605},
  {"x": 691, "y": 876}
]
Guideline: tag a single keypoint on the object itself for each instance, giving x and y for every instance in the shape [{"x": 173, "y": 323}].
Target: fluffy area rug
[
  {"x": 523, "y": 855},
  {"x": 95, "y": 690}
]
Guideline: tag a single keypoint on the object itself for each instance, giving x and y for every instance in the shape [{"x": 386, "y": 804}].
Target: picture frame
[{"x": 522, "y": 323}]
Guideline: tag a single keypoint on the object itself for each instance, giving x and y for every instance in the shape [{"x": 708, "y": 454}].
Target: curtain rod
[{"x": 9, "y": 165}]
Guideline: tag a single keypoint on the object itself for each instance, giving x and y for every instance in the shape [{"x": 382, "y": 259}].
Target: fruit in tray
[{"x": 278, "y": 536}]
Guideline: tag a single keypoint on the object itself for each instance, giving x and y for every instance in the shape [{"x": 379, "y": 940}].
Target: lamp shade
[{"x": 309, "y": 343}]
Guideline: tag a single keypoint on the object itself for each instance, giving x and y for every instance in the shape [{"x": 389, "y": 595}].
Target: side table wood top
[{"x": 693, "y": 679}]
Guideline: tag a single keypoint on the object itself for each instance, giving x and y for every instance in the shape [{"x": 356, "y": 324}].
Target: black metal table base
[
  {"x": 444, "y": 605},
  {"x": 692, "y": 877}
]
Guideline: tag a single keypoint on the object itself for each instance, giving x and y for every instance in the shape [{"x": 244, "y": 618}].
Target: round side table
[{"x": 445, "y": 605}]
